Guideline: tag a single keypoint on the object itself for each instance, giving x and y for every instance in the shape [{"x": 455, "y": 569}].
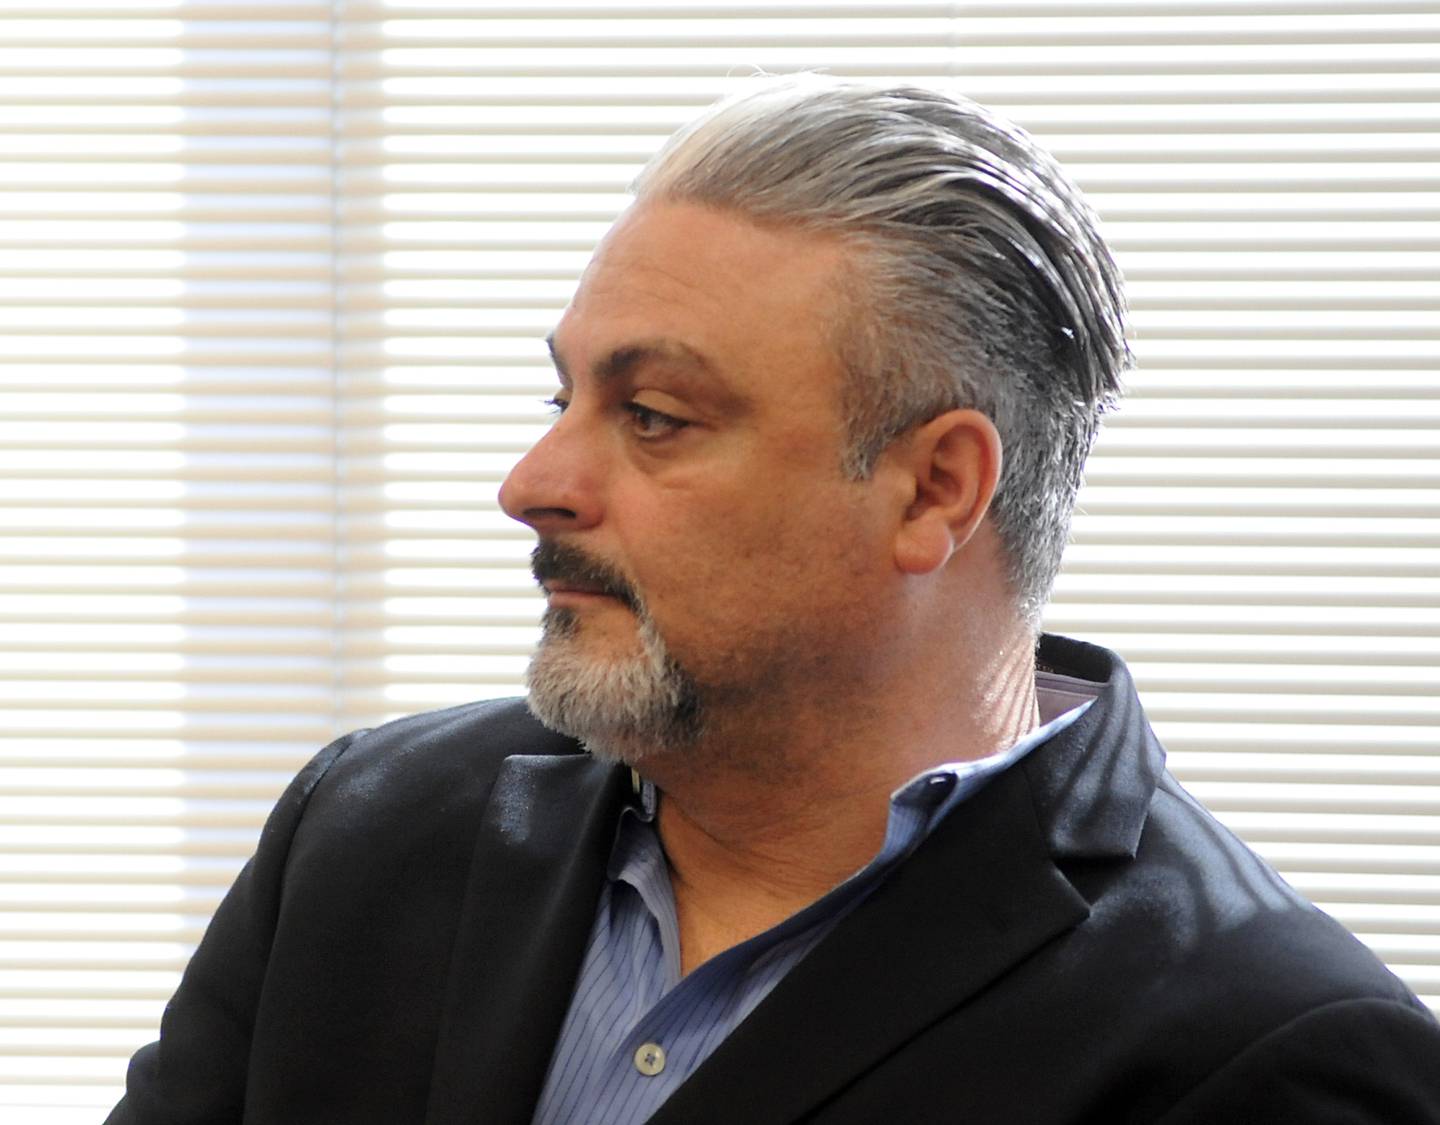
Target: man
[{"x": 813, "y": 835}]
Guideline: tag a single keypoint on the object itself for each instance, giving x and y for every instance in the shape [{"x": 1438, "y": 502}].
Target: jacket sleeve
[
  {"x": 1353, "y": 1062},
  {"x": 196, "y": 1071}
]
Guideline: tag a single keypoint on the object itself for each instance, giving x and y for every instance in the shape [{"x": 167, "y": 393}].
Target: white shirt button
[{"x": 650, "y": 1059}]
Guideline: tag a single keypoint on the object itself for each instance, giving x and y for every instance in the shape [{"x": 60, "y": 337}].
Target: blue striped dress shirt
[{"x": 635, "y": 1030}]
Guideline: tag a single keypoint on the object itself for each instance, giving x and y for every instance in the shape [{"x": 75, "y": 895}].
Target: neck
[{"x": 766, "y": 815}]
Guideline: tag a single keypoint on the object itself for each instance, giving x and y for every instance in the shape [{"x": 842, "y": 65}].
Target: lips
[
  {"x": 566, "y": 572},
  {"x": 554, "y": 588}
]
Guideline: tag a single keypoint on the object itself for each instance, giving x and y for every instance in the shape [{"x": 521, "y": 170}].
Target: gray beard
[{"x": 622, "y": 710}]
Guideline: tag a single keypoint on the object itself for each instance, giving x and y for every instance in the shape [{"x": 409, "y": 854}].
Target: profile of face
[{"x": 702, "y": 551}]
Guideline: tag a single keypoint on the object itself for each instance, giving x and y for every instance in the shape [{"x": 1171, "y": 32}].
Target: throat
[
  {"x": 715, "y": 919},
  {"x": 733, "y": 882}
]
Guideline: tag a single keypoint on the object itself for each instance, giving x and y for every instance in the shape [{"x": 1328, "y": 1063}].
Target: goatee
[{"x": 623, "y": 708}]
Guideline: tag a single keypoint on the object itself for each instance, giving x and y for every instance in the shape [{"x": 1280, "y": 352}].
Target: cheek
[
  {"x": 774, "y": 542},
  {"x": 798, "y": 558},
  {"x": 713, "y": 571}
]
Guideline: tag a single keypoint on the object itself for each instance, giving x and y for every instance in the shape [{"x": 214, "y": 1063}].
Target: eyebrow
[{"x": 625, "y": 359}]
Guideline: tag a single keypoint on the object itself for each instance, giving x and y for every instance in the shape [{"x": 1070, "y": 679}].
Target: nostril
[{"x": 546, "y": 515}]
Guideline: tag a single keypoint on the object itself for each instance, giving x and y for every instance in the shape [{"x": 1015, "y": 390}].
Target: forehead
[{"x": 710, "y": 284}]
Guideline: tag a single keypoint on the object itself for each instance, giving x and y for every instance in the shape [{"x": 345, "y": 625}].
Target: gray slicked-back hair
[{"x": 981, "y": 279}]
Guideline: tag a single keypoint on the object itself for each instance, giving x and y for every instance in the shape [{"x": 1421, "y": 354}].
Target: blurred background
[{"x": 273, "y": 282}]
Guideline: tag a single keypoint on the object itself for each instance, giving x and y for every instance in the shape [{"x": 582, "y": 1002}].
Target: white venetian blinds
[
  {"x": 273, "y": 278},
  {"x": 167, "y": 516}
]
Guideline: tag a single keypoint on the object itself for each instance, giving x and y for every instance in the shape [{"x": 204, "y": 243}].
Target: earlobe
[
  {"x": 953, "y": 462},
  {"x": 924, "y": 545}
]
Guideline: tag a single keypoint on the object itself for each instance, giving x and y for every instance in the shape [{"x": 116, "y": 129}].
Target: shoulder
[
  {"x": 1174, "y": 896},
  {"x": 1216, "y": 932},
  {"x": 1195, "y": 953},
  {"x": 463, "y": 741},
  {"x": 1351, "y": 1061},
  {"x": 1209, "y": 969},
  {"x": 1229, "y": 913},
  {"x": 417, "y": 774}
]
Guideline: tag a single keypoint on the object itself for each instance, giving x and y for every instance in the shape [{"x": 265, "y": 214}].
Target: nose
[{"x": 555, "y": 486}]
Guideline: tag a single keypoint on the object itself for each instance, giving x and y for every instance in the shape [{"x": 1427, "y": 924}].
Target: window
[{"x": 273, "y": 278}]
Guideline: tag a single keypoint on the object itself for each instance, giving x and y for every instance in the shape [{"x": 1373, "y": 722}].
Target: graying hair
[{"x": 981, "y": 279}]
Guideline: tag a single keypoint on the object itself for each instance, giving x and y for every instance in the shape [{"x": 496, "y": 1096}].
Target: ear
[{"x": 953, "y": 463}]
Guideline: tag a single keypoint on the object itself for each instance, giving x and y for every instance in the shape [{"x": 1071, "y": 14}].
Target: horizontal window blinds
[
  {"x": 273, "y": 280},
  {"x": 167, "y": 499}
]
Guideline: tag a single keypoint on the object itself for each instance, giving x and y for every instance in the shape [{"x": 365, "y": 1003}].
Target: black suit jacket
[{"x": 1078, "y": 942}]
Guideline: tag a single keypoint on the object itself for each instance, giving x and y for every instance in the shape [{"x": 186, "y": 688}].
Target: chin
[{"x": 623, "y": 708}]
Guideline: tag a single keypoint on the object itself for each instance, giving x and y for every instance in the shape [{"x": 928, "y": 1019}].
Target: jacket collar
[{"x": 1093, "y": 782}]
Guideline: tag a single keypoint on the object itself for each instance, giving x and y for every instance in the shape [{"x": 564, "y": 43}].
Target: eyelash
[
  {"x": 645, "y": 416},
  {"x": 641, "y": 416}
]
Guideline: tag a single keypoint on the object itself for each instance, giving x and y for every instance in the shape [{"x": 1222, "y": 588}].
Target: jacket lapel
[{"x": 537, "y": 871}]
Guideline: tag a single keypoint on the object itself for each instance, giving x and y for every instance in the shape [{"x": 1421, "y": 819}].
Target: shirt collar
[
  {"x": 928, "y": 797},
  {"x": 933, "y": 792}
]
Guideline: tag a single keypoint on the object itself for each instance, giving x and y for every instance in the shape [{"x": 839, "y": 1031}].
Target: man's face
[{"x": 703, "y": 554}]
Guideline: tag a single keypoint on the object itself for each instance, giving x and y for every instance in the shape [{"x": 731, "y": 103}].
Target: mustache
[{"x": 550, "y": 560}]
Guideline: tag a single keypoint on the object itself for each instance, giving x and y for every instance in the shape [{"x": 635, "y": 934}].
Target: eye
[
  {"x": 650, "y": 425},
  {"x": 557, "y": 404}
]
